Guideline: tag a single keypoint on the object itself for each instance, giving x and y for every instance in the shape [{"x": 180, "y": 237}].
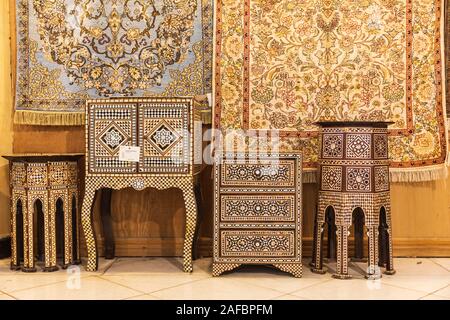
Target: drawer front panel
[
  {"x": 262, "y": 174},
  {"x": 263, "y": 243},
  {"x": 262, "y": 208}
]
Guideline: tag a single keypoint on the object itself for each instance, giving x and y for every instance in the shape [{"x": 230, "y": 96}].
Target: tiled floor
[{"x": 162, "y": 278}]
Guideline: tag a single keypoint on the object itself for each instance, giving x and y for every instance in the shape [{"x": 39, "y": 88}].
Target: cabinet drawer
[
  {"x": 281, "y": 173},
  {"x": 257, "y": 243},
  {"x": 262, "y": 208}
]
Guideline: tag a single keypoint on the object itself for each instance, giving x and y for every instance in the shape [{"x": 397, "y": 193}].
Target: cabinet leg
[
  {"x": 191, "y": 222},
  {"x": 86, "y": 221},
  {"x": 219, "y": 268},
  {"x": 108, "y": 234},
  {"x": 293, "y": 268},
  {"x": 199, "y": 201}
]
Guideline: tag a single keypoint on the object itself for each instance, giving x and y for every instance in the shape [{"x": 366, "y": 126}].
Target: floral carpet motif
[
  {"x": 283, "y": 66},
  {"x": 72, "y": 50}
]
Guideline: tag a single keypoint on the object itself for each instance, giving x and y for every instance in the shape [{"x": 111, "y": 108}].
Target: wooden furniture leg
[
  {"x": 28, "y": 263},
  {"x": 86, "y": 222},
  {"x": 373, "y": 271},
  {"x": 200, "y": 214},
  {"x": 390, "y": 259},
  {"x": 382, "y": 244},
  {"x": 108, "y": 234},
  {"x": 318, "y": 259},
  {"x": 342, "y": 253},
  {"x": 191, "y": 222}
]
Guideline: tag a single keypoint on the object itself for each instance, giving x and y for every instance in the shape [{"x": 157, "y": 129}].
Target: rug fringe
[
  {"x": 49, "y": 118},
  {"x": 437, "y": 172}
]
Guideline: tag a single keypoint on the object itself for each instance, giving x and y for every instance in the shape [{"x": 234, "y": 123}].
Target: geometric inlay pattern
[
  {"x": 111, "y": 126},
  {"x": 281, "y": 173},
  {"x": 331, "y": 178},
  {"x": 381, "y": 178},
  {"x": 256, "y": 207},
  {"x": 332, "y": 145},
  {"x": 358, "y": 146},
  {"x": 112, "y": 138},
  {"x": 258, "y": 243},
  {"x": 380, "y": 142},
  {"x": 358, "y": 179},
  {"x": 163, "y": 137}
]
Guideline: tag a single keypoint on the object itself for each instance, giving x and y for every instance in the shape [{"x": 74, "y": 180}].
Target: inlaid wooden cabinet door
[
  {"x": 164, "y": 136},
  {"x": 110, "y": 126}
]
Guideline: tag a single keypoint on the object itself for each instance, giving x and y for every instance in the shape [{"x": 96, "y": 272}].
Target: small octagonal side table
[
  {"x": 354, "y": 181},
  {"x": 44, "y": 210}
]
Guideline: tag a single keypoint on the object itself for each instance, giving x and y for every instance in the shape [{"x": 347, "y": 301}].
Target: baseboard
[
  {"x": 139, "y": 247},
  {"x": 5, "y": 247}
]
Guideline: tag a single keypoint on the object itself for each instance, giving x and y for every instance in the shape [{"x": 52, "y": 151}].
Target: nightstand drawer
[
  {"x": 259, "y": 173},
  {"x": 258, "y": 243},
  {"x": 260, "y": 207}
]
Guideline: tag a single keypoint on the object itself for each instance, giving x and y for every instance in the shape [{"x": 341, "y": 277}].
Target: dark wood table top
[{"x": 39, "y": 157}]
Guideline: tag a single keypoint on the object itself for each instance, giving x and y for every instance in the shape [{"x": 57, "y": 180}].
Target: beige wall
[{"x": 5, "y": 116}]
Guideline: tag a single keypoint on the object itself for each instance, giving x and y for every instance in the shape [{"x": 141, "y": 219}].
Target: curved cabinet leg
[
  {"x": 108, "y": 234},
  {"x": 200, "y": 214},
  {"x": 219, "y": 268},
  {"x": 86, "y": 222},
  {"x": 191, "y": 222},
  {"x": 293, "y": 268}
]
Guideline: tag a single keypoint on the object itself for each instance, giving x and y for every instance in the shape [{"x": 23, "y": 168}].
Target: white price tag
[{"x": 128, "y": 153}]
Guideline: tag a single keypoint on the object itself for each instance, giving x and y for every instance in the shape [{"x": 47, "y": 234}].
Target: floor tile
[
  {"x": 434, "y": 297},
  {"x": 427, "y": 284},
  {"x": 357, "y": 289},
  {"x": 103, "y": 265},
  {"x": 163, "y": 265},
  {"x": 289, "y": 297},
  {"x": 6, "y": 297},
  {"x": 147, "y": 283},
  {"x": 417, "y": 266},
  {"x": 444, "y": 262},
  {"x": 143, "y": 297},
  {"x": 217, "y": 289},
  {"x": 274, "y": 279},
  {"x": 90, "y": 288},
  {"x": 15, "y": 282},
  {"x": 163, "y": 278},
  {"x": 445, "y": 292}
]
